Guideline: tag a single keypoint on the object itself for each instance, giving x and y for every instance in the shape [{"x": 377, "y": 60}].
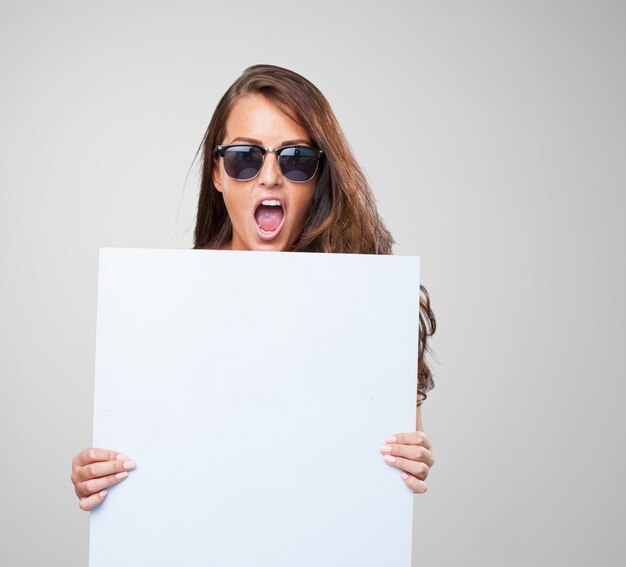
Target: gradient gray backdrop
[{"x": 494, "y": 136}]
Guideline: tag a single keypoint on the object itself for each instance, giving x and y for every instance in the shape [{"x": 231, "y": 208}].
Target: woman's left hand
[{"x": 411, "y": 453}]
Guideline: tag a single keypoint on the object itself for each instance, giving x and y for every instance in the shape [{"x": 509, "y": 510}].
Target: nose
[{"x": 270, "y": 174}]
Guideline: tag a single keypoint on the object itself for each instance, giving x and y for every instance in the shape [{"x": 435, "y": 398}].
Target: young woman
[{"x": 278, "y": 174}]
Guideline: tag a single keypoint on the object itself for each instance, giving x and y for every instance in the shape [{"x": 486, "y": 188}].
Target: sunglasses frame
[{"x": 221, "y": 151}]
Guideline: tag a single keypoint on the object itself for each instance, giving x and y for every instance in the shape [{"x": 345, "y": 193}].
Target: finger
[
  {"x": 415, "y": 468},
  {"x": 410, "y": 438},
  {"x": 96, "y": 485},
  {"x": 93, "y": 455},
  {"x": 96, "y": 470},
  {"x": 412, "y": 452},
  {"x": 92, "y": 501},
  {"x": 415, "y": 484}
]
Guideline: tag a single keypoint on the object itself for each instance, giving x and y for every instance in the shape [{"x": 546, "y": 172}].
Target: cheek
[
  {"x": 236, "y": 200},
  {"x": 304, "y": 202},
  {"x": 232, "y": 203}
]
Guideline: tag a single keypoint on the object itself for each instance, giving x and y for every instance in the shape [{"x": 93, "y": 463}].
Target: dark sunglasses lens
[
  {"x": 298, "y": 163},
  {"x": 243, "y": 162}
]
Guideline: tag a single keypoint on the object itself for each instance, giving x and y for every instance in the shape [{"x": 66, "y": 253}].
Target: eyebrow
[{"x": 259, "y": 143}]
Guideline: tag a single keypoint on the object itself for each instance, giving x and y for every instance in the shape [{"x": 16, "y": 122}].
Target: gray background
[{"x": 494, "y": 135}]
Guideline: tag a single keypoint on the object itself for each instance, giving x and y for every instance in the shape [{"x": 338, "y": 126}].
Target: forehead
[{"x": 257, "y": 118}]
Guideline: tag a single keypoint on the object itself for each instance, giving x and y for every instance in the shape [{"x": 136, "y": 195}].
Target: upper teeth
[{"x": 271, "y": 203}]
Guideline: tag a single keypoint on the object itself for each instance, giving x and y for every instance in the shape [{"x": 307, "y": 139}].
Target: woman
[{"x": 278, "y": 174}]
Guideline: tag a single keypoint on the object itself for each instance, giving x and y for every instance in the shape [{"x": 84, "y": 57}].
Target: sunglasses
[{"x": 244, "y": 161}]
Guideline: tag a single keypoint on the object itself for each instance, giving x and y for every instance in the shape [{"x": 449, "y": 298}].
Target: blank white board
[{"x": 254, "y": 389}]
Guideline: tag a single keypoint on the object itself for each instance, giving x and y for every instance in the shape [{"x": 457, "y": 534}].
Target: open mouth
[{"x": 270, "y": 217}]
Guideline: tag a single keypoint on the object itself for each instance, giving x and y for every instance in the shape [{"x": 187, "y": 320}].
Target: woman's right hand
[{"x": 94, "y": 470}]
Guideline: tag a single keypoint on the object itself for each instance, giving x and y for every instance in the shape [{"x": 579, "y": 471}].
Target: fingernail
[
  {"x": 385, "y": 449},
  {"x": 389, "y": 458},
  {"x": 103, "y": 493},
  {"x": 130, "y": 465},
  {"x": 391, "y": 439},
  {"x": 404, "y": 475},
  {"x": 121, "y": 475},
  {"x": 122, "y": 457}
]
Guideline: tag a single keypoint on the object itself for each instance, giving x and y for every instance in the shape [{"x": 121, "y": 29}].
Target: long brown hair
[{"x": 342, "y": 218}]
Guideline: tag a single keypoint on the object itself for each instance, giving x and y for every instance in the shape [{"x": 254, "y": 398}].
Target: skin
[{"x": 255, "y": 119}]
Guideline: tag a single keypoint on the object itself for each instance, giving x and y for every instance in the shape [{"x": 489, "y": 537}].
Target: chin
[{"x": 271, "y": 246}]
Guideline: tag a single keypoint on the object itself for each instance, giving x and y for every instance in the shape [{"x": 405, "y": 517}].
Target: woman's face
[{"x": 255, "y": 120}]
